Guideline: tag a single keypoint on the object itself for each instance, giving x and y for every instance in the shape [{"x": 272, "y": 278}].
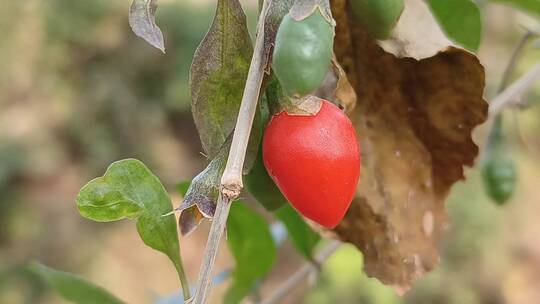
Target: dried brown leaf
[
  {"x": 418, "y": 103},
  {"x": 344, "y": 93},
  {"x": 190, "y": 219},
  {"x": 303, "y": 9},
  {"x": 201, "y": 197},
  {"x": 142, "y": 20}
]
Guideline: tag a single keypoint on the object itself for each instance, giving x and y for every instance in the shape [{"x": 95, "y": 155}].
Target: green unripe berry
[
  {"x": 498, "y": 170},
  {"x": 499, "y": 175},
  {"x": 302, "y": 53},
  {"x": 378, "y": 17}
]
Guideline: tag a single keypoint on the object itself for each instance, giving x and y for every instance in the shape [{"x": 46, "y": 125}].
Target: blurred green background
[{"x": 78, "y": 91}]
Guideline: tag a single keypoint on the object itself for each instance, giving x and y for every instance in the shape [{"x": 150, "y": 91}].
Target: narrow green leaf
[
  {"x": 128, "y": 189},
  {"x": 73, "y": 288},
  {"x": 528, "y": 6},
  {"x": 253, "y": 249},
  {"x": 218, "y": 75},
  {"x": 143, "y": 22},
  {"x": 302, "y": 236},
  {"x": 460, "y": 20}
]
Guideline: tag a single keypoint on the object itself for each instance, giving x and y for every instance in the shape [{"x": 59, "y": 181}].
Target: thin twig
[
  {"x": 231, "y": 180},
  {"x": 510, "y": 96},
  {"x": 506, "y": 79},
  {"x": 302, "y": 273},
  {"x": 511, "y": 66},
  {"x": 204, "y": 284},
  {"x": 497, "y": 104}
]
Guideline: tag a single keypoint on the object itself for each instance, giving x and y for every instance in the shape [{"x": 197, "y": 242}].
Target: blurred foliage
[
  {"x": 79, "y": 88},
  {"x": 73, "y": 288},
  {"x": 85, "y": 70},
  {"x": 342, "y": 281}
]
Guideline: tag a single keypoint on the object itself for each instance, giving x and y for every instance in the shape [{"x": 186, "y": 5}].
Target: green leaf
[
  {"x": 128, "y": 189},
  {"x": 143, "y": 22},
  {"x": 218, "y": 75},
  {"x": 253, "y": 249},
  {"x": 183, "y": 187},
  {"x": 302, "y": 236},
  {"x": 73, "y": 288},
  {"x": 528, "y": 6},
  {"x": 460, "y": 20}
]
